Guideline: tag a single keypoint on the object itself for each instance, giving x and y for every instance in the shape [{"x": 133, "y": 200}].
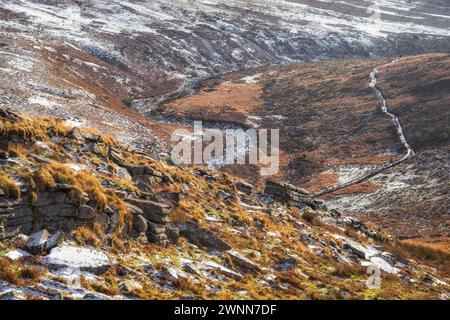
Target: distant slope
[
  {"x": 332, "y": 130},
  {"x": 159, "y": 41}
]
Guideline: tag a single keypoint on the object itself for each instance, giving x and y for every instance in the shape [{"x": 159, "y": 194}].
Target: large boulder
[{"x": 83, "y": 258}]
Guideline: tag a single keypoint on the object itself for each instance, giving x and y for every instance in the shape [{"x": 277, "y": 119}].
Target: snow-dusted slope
[
  {"x": 200, "y": 37},
  {"x": 67, "y": 58}
]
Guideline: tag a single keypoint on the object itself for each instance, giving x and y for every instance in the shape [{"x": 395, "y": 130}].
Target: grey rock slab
[{"x": 36, "y": 241}]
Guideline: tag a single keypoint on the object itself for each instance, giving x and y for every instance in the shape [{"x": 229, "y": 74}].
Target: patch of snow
[
  {"x": 252, "y": 79},
  {"x": 17, "y": 254},
  {"x": 83, "y": 258},
  {"x": 75, "y": 122},
  {"x": 381, "y": 264},
  {"x": 76, "y": 166},
  {"x": 41, "y": 101}
]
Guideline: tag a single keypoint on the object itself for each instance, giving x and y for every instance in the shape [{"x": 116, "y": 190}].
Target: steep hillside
[
  {"x": 123, "y": 225},
  {"x": 332, "y": 130},
  {"x": 91, "y": 91}
]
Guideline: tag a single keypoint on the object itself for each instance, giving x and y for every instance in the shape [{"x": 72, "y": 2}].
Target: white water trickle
[
  {"x": 410, "y": 151},
  {"x": 384, "y": 108}
]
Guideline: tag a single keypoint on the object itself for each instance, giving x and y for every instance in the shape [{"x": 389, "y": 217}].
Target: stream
[{"x": 384, "y": 107}]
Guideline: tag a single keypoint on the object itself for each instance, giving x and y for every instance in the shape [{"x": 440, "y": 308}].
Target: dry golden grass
[
  {"x": 231, "y": 101},
  {"x": 9, "y": 186},
  {"x": 7, "y": 272},
  {"x": 436, "y": 258},
  {"x": 88, "y": 236},
  {"x": 99, "y": 287},
  {"x": 30, "y": 273}
]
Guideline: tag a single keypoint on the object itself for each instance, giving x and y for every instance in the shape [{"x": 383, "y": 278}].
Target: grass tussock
[
  {"x": 89, "y": 235},
  {"x": 344, "y": 270},
  {"x": 7, "y": 272},
  {"x": 9, "y": 186},
  {"x": 18, "y": 273},
  {"x": 33, "y": 128}
]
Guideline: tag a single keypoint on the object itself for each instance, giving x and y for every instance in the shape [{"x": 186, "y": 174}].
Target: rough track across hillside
[{"x": 384, "y": 107}]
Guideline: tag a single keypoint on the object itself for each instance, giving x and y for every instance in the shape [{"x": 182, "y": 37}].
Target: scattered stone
[
  {"x": 244, "y": 187},
  {"x": 75, "y": 133},
  {"x": 243, "y": 262},
  {"x": 211, "y": 265},
  {"x": 123, "y": 173},
  {"x": 13, "y": 295},
  {"x": 363, "y": 252},
  {"x": 153, "y": 237},
  {"x": 174, "y": 274},
  {"x": 54, "y": 240},
  {"x": 36, "y": 242},
  {"x": 17, "y": 254}
]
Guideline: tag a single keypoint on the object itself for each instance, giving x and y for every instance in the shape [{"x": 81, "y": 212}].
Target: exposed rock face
[
  {"x": 52, "y": 211},
  {"x": 292, "y": 195},
  {"x": 144, "y": 177},
  {"x": 152, "y": 218}
]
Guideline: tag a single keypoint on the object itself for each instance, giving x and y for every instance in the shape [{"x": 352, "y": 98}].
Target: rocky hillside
[{"x": 84, "y": 217}]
